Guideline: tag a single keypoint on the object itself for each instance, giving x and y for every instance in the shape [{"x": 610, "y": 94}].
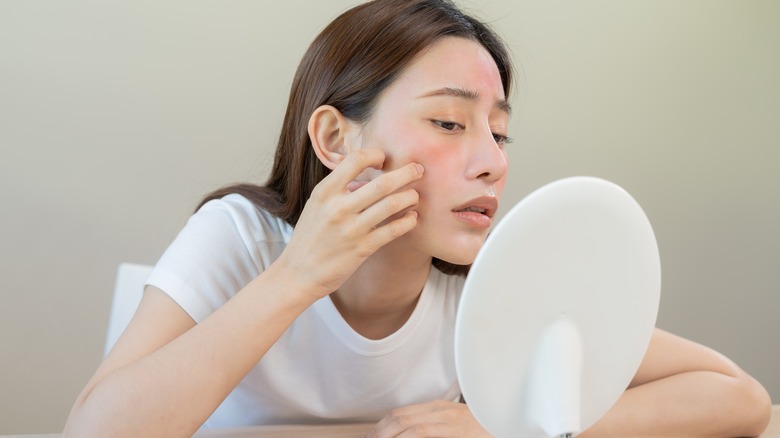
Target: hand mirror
[{"x": 558, "y": 310}]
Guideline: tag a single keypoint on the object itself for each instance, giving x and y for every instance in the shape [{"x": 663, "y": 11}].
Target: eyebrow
[{"x": 463, "y": 93}]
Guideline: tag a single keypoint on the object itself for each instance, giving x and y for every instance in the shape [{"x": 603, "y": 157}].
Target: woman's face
[{"x": 447, "y": 111}]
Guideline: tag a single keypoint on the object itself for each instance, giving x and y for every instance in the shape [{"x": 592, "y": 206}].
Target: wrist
[{"x": 295, "y": 282}]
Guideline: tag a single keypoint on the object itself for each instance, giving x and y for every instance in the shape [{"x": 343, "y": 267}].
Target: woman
[{"x": 329, "y": 294}]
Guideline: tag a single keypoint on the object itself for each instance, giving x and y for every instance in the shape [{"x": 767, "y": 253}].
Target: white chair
[{"x": 130, "y": 281}]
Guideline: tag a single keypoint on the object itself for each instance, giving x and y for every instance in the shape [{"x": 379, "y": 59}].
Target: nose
[{"x": 488, "y": 160}]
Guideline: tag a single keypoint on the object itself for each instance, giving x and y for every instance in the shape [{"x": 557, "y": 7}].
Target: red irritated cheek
[{"x": 397, "y": 158}]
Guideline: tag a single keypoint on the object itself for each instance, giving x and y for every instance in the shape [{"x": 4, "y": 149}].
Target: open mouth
[
  {"x": 474, "y": 210},
  {"x": 477, "y": 212}
]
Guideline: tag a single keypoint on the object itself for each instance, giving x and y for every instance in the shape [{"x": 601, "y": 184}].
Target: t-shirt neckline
[{"x": 333, "y": 319}]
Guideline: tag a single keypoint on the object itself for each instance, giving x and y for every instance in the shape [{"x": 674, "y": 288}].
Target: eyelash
[{"x": 450, "y": 126}]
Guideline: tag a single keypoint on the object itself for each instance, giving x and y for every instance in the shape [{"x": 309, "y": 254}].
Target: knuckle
[
  {"x": 395, "y": 413},
  {"x": 365, "y": 251},
  {"x": 401, "y": 420},
  {"x": 362, "y": 157},
  {"x": 421, "y": 429},
  {"x": 451, "y": 415},
  {"x": 316, "y": 192},
  {"x": 338, "y": 210},
  {"x": 440, "y": 404},
  {"x": 395, "y": 230},
  {"x": 401, "y": 227},
  {"x": 358, "y": 155}
]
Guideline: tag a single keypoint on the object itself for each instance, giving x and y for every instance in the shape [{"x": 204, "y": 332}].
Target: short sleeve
[{"x": 224, "y": 245}]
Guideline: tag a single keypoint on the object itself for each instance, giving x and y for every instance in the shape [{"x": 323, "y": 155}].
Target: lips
[{"x": 485, "y": 205}]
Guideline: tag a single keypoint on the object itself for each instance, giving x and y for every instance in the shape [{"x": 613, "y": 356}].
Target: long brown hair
[{"x": 349, "y": 64}]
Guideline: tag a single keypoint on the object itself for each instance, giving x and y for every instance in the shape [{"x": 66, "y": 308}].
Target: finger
[
  {"x": 434, "y": 419},
  {"x": 397, "y": 415},
  {"x": 418, "y": 408},
  {"x": 390, "y": 231},
  {"x": 354, "y": 164},
  {"x": 414, "y": 424},
  {"x": 386, "y": 208},
  {"x": 430, "y": 430},
  {"x": 385, "y": 184}
]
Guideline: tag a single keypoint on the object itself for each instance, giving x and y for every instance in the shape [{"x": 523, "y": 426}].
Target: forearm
[
  {"x": 691, "y": 404},
  {"x": 173, "y": 390}
]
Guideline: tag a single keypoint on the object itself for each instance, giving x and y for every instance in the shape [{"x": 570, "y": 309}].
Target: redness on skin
[{"x": 448, "y": 121}]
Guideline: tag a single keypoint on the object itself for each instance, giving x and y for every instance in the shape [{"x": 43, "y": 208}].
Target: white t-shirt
[{"x": 320, "y": 370}]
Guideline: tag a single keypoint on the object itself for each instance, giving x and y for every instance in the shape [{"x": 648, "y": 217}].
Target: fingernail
[{"x": 420, "y": 168}]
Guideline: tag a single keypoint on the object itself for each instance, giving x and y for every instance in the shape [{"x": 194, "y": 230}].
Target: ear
[{"x": 331, "y": 135}]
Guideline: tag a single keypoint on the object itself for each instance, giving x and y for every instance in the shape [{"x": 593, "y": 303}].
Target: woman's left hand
[{"x": 435, "y": 419}]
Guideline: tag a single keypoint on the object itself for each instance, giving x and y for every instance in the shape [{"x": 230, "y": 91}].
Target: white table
[{"x": 341, "y": 431}]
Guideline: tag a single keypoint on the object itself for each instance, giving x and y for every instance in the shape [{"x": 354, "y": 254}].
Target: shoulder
[
  {"x": 223, "y": 246},
  {"x": 253, "y": 223}
]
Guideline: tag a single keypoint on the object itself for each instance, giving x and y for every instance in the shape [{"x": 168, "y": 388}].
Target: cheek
[
  {"x": 440, "y": 163},
  {"x": 441, "y": 175},
  {"x": 416, "y": 145},
  {"x": 437, "y": 160},
  {"x": 404, "y": 141}
]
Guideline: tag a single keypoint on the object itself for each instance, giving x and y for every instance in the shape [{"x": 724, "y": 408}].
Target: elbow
[
  {"x": 84, "y": 421},
  {"x": 756, "y": 407},
  {"x": 84, "y": 426},
  {"x": 75, "y": 428},
  {"x": 80, "y": 422},
  {"x": 79, "y": 426}
]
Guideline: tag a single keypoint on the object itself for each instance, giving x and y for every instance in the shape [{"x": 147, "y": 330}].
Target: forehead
[{"x": 455, "y": 63}]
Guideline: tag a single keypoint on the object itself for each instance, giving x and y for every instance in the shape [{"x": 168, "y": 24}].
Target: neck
[{"x": 382, "y": 294}]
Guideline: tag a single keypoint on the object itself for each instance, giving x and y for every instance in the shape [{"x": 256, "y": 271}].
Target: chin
[{"x": 459, "y": 254}]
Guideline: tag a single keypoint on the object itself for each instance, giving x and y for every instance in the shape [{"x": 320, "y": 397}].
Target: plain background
[{"x": 116, "y": 117}]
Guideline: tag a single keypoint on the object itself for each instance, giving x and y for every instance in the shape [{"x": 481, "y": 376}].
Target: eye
[
  {"x": 501, "y": 140},
  {"x": 449, "y": 126}
]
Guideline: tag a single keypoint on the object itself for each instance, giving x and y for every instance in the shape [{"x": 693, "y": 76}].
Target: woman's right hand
[{"x": 340, "y": 226}]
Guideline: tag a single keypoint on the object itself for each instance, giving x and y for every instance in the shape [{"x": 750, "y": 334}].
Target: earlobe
[{"x": 328, "y": 132}]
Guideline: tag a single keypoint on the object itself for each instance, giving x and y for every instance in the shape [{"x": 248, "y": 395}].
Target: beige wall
[{"x": 115, "y": 117}]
